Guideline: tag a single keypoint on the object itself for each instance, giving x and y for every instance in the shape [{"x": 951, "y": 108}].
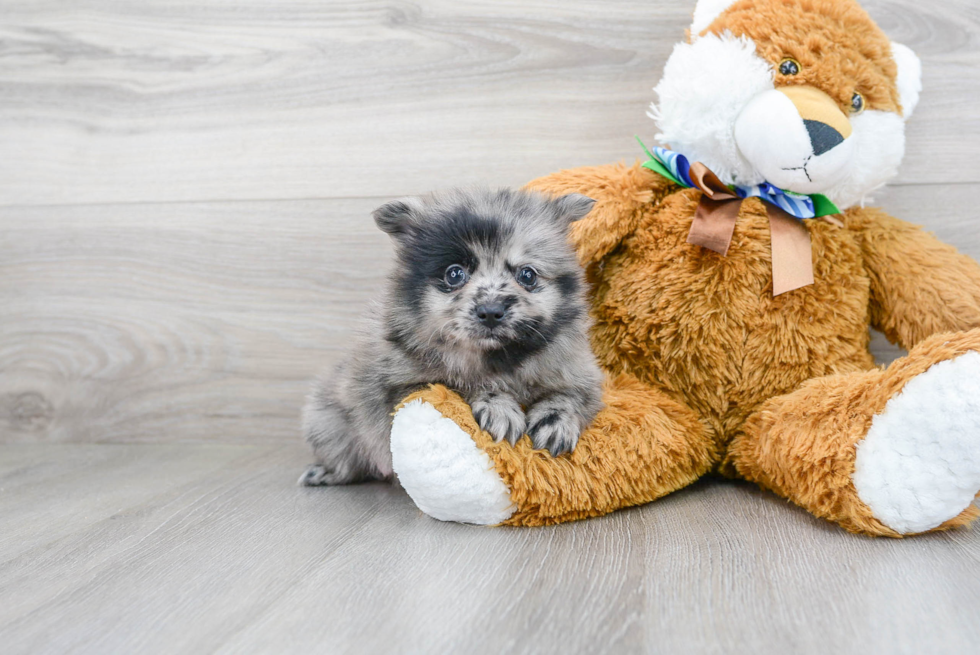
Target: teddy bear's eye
[
  {"x": 857, "y": 103},
  {"x": 789, "y": 66}
]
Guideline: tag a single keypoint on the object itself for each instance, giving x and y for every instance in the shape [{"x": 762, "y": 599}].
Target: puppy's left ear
[
  {"x": 572, "y": 207},
  {"x": 399, "y": 217}
]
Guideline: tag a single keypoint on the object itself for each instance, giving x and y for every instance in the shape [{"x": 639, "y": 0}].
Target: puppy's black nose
[{"x": 491, "y": 313}]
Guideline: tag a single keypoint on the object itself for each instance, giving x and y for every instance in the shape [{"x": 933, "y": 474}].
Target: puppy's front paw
[
  {"x": 501, "y": 416},
  {"x": 553, "y": 429}
]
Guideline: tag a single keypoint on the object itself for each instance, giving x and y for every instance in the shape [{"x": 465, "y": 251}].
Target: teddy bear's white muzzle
[{"x": 789, "y": 150}]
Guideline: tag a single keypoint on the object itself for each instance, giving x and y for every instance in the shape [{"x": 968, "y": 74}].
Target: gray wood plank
[
  {"x": 96, "y": 578},
  {"x": 162, "y": 101},
  {"x": 40, "y": 502},
  {"x": 176, "y": 322},
  {"x": 239, "y": 560},
  {"x": 826, "y": 591},
  {"x": 204, "y": 321}
]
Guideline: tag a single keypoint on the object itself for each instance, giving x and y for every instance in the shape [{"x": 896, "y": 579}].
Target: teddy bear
[{"x": 734, "y": 275}]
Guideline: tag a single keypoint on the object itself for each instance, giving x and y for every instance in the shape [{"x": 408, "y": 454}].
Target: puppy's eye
[
  {"x": 857, "y": 103},
  {"x": 789, "y": 66},
  {"x": 527, "y": 277},
  {"x": 455, "y": 276}
]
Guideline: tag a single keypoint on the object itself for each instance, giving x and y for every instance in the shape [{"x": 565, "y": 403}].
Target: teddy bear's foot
[
  {"x": 919, "y": 465},
  {"x": 443, "y": 470},
  {"x": 888, "y": 452}
]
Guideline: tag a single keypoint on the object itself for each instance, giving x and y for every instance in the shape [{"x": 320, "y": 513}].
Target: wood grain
[
  {"x": 185, "y": 240},
  {"x": 224, "y": 554},
  {"x": 163, "y": 101},
  {"x": 205, "y": 321},
  {"x": 177, "y": 322}
]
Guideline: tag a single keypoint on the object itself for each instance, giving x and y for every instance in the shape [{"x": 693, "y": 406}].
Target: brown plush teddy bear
[{"x": 732, "y": 302}]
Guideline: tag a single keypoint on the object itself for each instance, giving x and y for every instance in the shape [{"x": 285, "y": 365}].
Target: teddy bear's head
[{"x": 808, "y": 95}]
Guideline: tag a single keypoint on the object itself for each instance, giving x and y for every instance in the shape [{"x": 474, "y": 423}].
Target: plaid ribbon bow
[{"x": 717, "y": 212}]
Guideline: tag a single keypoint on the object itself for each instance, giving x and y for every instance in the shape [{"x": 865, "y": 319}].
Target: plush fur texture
[
  {"x": 427, "y": 446},
  {"x": 487, "y": 298},
  {"x": 641, "y": 446},
  {"x": 747, "y": 133},
  {"x": 714, "y": 78},
  {"x": 925, "y": 436},
  {"x": 706, "y": 11},
  {"x": 711, "y": 373},
  {"x": 803, "y": 445}
]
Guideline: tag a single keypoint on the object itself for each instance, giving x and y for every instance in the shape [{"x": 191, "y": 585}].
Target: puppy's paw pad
[
  {"x": 502, "y": 417},
  {"x": 316, "y": 476},
  {"x": 554, "y": 431}
]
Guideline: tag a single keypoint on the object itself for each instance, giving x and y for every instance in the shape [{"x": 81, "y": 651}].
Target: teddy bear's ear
[
  {"x": 572, "y": 207},
  {"x": 706, "y": 12},
  {"x": 909, "y": 79},
  {"x": 398, "y": 217}
]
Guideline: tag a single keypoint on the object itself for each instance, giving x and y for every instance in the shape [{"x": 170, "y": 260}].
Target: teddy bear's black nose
[
  {"x": 491, "y": 313},
  {"x": 822, "y": 136}
]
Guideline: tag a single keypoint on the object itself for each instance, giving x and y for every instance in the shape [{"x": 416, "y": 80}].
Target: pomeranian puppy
[{"x": 487, "y": 298}]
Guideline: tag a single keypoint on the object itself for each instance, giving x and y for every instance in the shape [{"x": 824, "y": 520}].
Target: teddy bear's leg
[
  {"x": 641, "y": 446},
  {"x": 883, "y": 452}
]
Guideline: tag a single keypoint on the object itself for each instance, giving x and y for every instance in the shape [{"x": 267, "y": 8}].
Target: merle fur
[{"x": 534, "y": 373}]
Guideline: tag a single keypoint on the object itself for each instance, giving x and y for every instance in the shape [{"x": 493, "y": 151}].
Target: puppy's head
[{"x": 488, "y": 272}]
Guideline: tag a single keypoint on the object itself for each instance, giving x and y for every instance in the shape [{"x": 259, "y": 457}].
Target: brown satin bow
[{"x": 714, "y": 223}]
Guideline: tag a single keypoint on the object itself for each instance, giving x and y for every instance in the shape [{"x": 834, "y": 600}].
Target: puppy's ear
[
  {"x": 572, "y": 207},
  {"x": 399, "y": 217},
  {"x": 624, "y": 194}
]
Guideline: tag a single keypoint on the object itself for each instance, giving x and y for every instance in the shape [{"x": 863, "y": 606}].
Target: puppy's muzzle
[{"x": 491, "y": 314}]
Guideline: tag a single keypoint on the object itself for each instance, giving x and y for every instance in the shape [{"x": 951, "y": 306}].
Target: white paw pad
[
  {"x": 919, "y": 465},
  {"x": 442, "y": 469}
]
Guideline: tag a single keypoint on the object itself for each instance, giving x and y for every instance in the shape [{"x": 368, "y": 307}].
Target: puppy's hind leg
[{"x": 334, "y": 440}]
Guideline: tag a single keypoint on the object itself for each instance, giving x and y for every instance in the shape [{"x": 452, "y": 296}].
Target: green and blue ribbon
[{"x": 676, "y": 167}]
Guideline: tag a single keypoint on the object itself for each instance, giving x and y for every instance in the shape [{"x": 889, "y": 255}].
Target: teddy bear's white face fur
[{"x": 718, "y": 104}]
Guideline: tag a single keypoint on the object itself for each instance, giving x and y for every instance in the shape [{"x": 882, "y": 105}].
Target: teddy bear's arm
[
  {"x": 919, "y": 285},
  {"x": 621, "y": 193}
]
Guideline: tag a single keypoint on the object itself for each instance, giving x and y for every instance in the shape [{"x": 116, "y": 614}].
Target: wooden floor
[
  {"x": 185, "y": 240},
  {"x": 134, "y": 548}
]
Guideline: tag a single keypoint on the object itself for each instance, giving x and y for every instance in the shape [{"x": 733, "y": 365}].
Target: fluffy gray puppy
[{"x": 486, "y": 298}]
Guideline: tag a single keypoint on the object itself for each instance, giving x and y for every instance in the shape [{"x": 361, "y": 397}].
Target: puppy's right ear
[
  {"x": 572, "y": 207},
  {"x": 623, "y": 194},
  {"x": 399, "y": 217}
]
